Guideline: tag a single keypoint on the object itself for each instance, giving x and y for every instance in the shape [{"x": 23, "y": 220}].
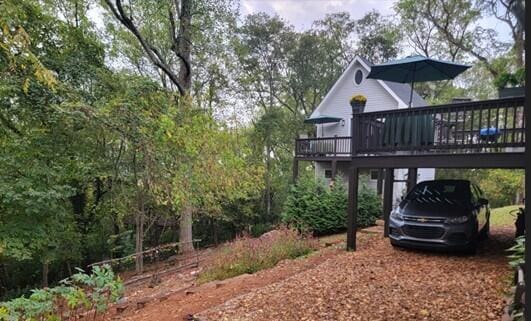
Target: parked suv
[{"x": 448, "y": 214}]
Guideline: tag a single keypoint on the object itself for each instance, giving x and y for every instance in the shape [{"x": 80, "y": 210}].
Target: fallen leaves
[{"x": 382, "y": 283}]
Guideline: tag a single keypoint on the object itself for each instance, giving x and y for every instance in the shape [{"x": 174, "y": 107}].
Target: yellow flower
[{"x": 358, "y": 99}]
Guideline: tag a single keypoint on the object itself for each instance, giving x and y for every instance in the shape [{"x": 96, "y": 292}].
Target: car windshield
[{"x": 450, "y": 192}]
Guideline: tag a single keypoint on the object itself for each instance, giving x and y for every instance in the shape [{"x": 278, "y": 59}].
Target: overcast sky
[{"x": 301, "y": 13}]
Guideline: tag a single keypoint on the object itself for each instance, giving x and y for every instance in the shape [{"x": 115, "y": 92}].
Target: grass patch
[
  {"x": 249, "y": 255},
  {"x": 501, "y": 217}
]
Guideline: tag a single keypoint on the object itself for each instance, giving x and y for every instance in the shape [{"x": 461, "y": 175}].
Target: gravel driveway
[{"x": 379, "y": 282}]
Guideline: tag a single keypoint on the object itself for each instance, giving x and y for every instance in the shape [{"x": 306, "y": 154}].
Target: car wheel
[
  {"x": 471, "y": 249},
  {"x": 486, "y": 230}
]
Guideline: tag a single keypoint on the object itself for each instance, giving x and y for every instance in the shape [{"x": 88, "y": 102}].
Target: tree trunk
[
  {"x": 139, "y": 237},
  {"x": 139, "y": 241},
  {"x": 185, "y": 45},
  {"x": 45, "y": 270},
  {"x": 185, "y": 230},
  {"x": 268, "y": 179},
  {"x": 519, "y": 47}
]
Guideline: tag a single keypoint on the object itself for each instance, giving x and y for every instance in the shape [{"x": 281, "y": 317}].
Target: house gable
[{"x": 337, "y": 101}]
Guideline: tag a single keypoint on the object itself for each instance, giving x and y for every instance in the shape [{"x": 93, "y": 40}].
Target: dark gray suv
[{"x": 447, "y": 214}]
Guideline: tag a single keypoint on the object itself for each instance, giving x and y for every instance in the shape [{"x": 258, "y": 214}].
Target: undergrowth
[{"x": 249, "y": 255}]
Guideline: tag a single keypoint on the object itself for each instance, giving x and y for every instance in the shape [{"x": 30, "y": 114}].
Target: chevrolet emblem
[{"x": 422, "y": 219}]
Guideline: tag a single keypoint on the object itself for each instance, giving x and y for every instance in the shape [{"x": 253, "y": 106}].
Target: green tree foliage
[
  {"x": 502, "y": 187},
  {"x": 455, "y": 30},
  {"x": 313, "y": 206},
  {"x": 90, "y": 155},
  {"x": 378, "y": 38}
]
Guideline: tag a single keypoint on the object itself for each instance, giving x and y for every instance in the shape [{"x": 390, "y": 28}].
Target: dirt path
[
  {"x": 380, "y": 283},
  {"x": 191, "y": 300}
]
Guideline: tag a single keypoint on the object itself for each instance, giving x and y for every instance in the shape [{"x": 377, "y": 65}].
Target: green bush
[
  {"x": 79, "y": 295},
  {"x": 313, "y": 206},
  {"x": 249, "y": 255}
]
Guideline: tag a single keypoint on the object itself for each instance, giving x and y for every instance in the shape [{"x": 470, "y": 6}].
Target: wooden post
[
  {"x": 411, "y": 178},
  {"x": 527, "y": 109},
  {"x": 352, "y": 208},
  {"x": 353, "y": 177},
  {"x": 379, "y": 182},
  {"x": 334, "y": 169},
  {"x": 388, "y": 198},
  {"x": 335, "y": 145}
]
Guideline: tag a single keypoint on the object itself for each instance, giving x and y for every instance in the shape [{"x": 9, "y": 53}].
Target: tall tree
[
  {"x": 378, "y": 37},
  {"x": 512, "y": 13},
  {"x": 177, "y": 17},
  {"x": 167, "y": 32},
  {"x": 456, "y": 24}
]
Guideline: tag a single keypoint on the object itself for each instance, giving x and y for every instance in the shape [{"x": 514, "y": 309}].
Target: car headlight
[
  {"x": 396, "y": 214},
  {"x": 457, "y": 220}
]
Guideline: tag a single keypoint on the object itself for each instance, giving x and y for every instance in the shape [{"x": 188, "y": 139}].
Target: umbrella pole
[
  {"x": 411, "y": 94},
  {"x": 412, "y": 85}
]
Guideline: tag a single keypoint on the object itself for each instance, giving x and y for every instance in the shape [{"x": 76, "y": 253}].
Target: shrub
[
  {"x": 249, "y": 255},
  {"x": 369, "y": 207},
  {"x": 312, "y": 206},
  {"x": 79, "y": 295}
]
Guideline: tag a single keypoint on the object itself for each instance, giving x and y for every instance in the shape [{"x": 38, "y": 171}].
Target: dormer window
[{"x": 358, "y": 77}]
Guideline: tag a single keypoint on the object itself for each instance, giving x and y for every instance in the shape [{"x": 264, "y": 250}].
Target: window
[
  {"x": 374, "y": 175},
  {"x": 358, "y": 77},
  {"x": 328, "y": 173},
  {"x": 440, "y": 191}
]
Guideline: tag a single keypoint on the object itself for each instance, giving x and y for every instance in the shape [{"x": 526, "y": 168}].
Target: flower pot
[
  {"x": 511, "y": 92},
  {"x": 357, "y": 107}
]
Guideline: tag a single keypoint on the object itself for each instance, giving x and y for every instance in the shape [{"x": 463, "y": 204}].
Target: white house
[{"x": 381, "y": 95}]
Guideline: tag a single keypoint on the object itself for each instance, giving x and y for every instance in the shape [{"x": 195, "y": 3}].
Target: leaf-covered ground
[{"x": 379, "y": 282}]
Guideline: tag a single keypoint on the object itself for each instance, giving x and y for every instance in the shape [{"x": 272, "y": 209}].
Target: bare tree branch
[{"x": 152, "y": 53}]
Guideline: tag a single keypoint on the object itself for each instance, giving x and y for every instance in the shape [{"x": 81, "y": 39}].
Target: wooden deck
[
  {"x": 478, "y": 134},
  {"x": 432, "y": 133}
]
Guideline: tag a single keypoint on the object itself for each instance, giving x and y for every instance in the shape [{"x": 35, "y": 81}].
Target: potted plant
[
  {"x": 511, "y": 84},
  {"x": 357, "y": 102}
]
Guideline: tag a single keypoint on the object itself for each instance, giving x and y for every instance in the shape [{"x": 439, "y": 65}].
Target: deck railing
[
  {"x": 469, "y": 127},
  {"x": 326, "y": 146}
]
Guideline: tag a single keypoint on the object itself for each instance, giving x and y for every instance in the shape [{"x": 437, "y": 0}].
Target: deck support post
[
  {"x": 527, "y": 109},
  {"x": 388, "y": 198},
  {"x": 334, "y": 170},
  {"x": 379, "y": 182},
  {"x": 352, "y": 214},
  {"x": 411, "y": 178}
]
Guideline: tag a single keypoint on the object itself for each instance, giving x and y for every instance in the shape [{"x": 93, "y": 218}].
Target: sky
[{"x": 301, "y": 13}]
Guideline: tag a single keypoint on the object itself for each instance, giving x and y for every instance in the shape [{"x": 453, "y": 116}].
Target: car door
[{"x": 481, "y": 207}]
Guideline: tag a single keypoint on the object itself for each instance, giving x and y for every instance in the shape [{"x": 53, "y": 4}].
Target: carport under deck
[{"x": 479, "y": 134}]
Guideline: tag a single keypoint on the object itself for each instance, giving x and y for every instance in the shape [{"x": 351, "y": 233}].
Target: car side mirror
[{"x": 483, "y": 201}]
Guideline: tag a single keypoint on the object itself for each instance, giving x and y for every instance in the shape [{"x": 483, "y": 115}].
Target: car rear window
[{"x": 440, "y": 191}]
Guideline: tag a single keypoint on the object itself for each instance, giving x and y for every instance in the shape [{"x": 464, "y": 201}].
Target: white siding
[
  {"x": 426, "y": 174},
  {"x": 337, "y": 102}
]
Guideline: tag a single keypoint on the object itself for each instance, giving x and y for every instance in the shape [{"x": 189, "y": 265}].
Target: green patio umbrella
[
  {"x": 416, "y": 69},
  {"x": 322, "y": 119},
  {"x": 419, "y": 129}
]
